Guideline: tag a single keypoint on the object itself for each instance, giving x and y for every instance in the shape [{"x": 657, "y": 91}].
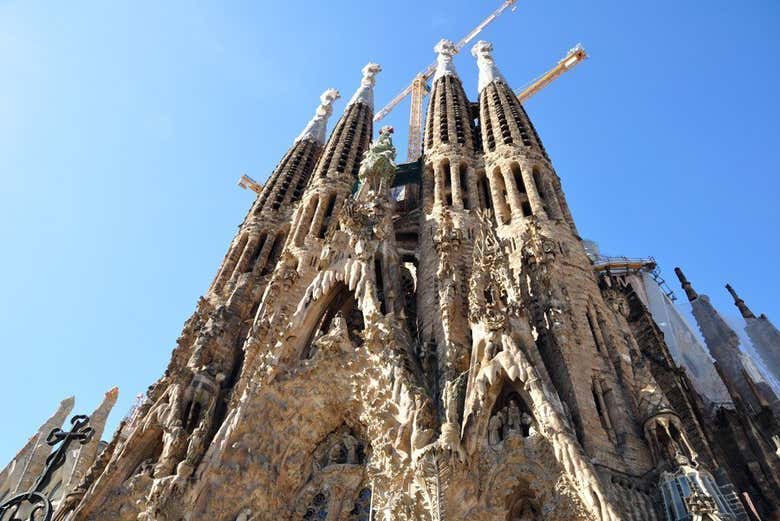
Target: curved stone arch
[
  {"x": 479, "y": 430},
  {"x": 354, "y": 275},
  {"x": 528, "y": 478},
  {"x": 553, "y": 425}
]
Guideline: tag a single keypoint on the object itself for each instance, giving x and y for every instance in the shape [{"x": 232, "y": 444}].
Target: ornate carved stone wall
[{"x": 450, "y": 356}]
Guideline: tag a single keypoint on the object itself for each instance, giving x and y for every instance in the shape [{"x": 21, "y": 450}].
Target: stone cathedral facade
[{"x": 447, "y": 356}]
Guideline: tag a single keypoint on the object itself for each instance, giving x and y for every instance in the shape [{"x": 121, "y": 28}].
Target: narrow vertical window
[
  {"x": 483, "y": 191},
  {"x": 326, "y": 218},
  {"x": 255, "y": 254},
  {"x": 464, "y": 191},
  {"x": 306, "y": 219},
  {"x": 275, "y": 253},
  {"x": 447, "y": 173}
]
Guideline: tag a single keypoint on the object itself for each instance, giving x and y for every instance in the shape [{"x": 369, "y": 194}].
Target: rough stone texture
[{"x": 449, "y": 356}]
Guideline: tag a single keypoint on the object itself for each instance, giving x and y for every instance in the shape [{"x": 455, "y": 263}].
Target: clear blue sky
[{"x": 124, "y": 126}]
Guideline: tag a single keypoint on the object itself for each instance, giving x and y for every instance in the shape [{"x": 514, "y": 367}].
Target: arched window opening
[
  {"x": 255, "y": 254},
  {"x": 540, "y": 189},
  {"x": 192, "y": 416},
  {"x": 510, "y": 416},
  {"x": 464, "y": 187},
  {"x": 409, "y": 290},
  {"x": 343, "y": 303},
  {"x": 502, "y": 214},
  {"x": 326, "y": 218},
  {"x": 273, "y": 256},
  {"x": 447, "y": 177},
  {"x": 483, "y": 192},
  {"x": 305, "y": 221},
  {"x": 517, "y": 174},
  {"x": 525, "y": 206}
]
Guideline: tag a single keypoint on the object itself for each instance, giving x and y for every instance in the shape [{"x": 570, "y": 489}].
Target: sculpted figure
[
  {"x": 494, "y": 428},
  {"x": 195, "y": 448},
  {"x": 513, "y": 416},
  {"x": 526, "y": 421},
  {"x": 351, "y": 445},
  {"x": 450, "y": 399},
  {"x": 491, "y": 350},
  {"x": 173, "y": 439}
]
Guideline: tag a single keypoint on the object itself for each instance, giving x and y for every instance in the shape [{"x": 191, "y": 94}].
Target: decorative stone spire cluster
[
  {"x": 370, "y": 359},
  {"x": 724, "y": 346},
  {"x": 316, "y": 129}
]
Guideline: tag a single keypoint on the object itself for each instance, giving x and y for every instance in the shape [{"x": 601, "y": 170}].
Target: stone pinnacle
[
  {"x": 746, "y": 313},
  {"x": 692, "y": 295}
]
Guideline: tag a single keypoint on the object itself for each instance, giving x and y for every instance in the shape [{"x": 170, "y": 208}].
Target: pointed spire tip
[
  {"x": 445, "y": 50},
  {"x": 686, "y": 285},
  {"x": 316, "y": 129},
  {"x": 743, "y": 309},
  {"x": 488, "y": 72},
  {"x": 365, "y": 93}
]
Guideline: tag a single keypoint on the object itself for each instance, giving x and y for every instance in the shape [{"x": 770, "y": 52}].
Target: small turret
[{"x": 746, "y": 313}]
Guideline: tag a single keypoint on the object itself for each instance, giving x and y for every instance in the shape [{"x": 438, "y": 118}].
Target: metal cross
[{"x": 34, "y": 505}]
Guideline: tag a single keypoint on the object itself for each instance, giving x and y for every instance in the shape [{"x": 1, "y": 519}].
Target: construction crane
[
  {"x": 575, "y": 55},
  {"x": 419, "y": 86},
  {"x": 247, "y": 183}
]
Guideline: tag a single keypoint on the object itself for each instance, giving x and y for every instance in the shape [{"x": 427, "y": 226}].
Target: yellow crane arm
[{"x": 571, "y": 60}]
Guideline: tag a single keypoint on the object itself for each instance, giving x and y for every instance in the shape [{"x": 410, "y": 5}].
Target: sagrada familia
[{"x": 429, "y": 341}]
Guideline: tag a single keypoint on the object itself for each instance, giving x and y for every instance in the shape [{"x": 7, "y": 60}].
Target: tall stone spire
[
  {"x": 337, "y": 170},
  {"x": 258, "y": 244},
  {"x": 746, "y": 313},
  {"x": 763, "y": 334},
  {"x": 316, "y": 129},
  {"x": 724, "y": 346},
  {"x": 448, "y": 122}
]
